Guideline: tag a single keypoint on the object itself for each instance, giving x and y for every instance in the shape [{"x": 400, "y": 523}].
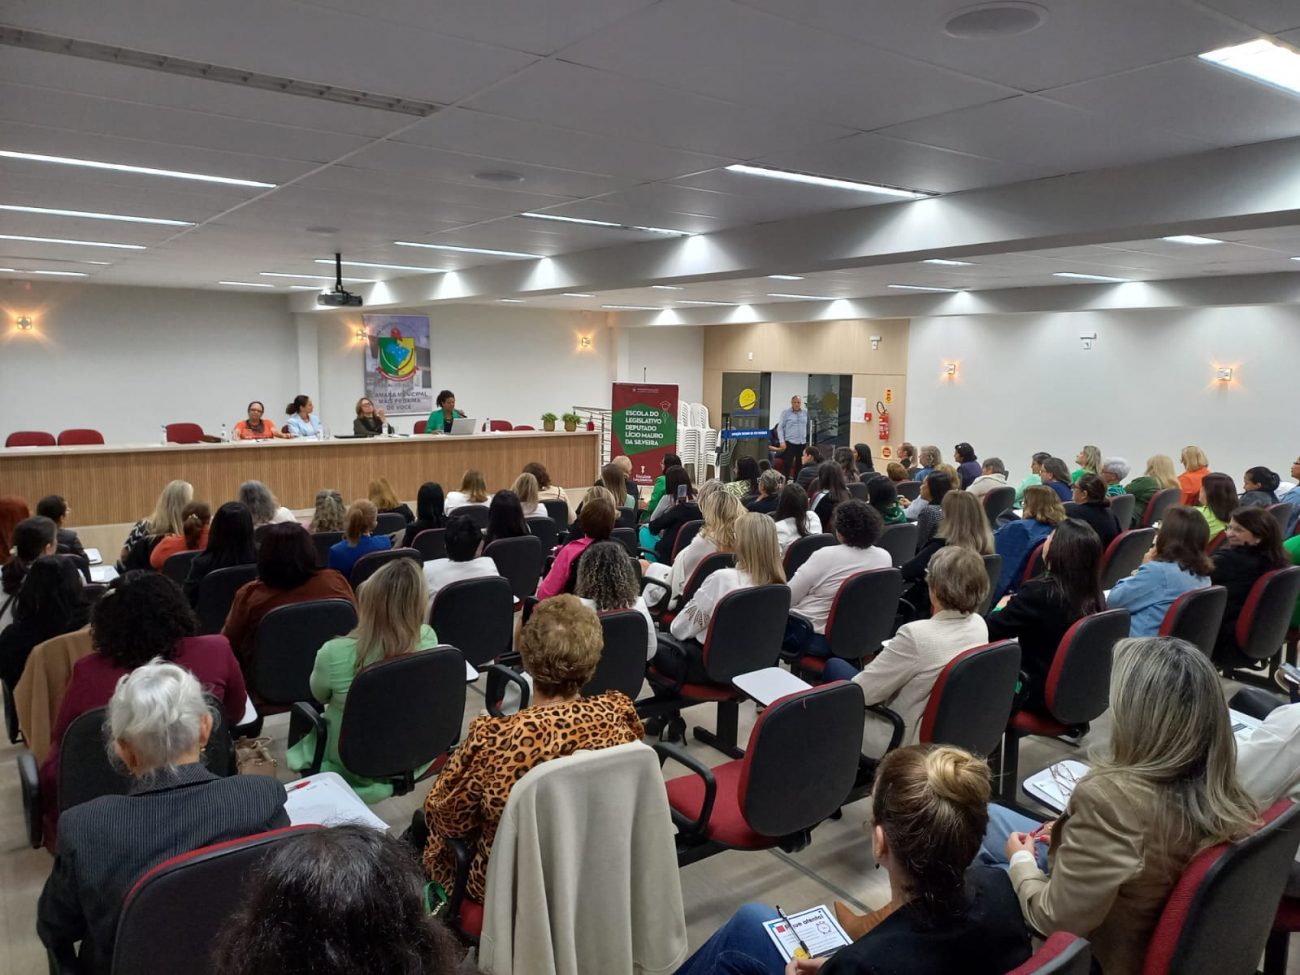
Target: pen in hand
[{"x": 803, "y": 951}]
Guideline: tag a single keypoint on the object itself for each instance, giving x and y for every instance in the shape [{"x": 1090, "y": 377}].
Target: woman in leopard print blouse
[{"x": 561, "y": 646}]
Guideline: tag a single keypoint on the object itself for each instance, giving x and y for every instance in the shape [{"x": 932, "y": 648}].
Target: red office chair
[
  {"x": 284, "y": 649},
  {"x": 997, "y": 501},
  {"x": 667, "y": 610},
  {"x": 1217, "y": 918},
  {"x": 622, "y": 661},
  {"x": 1213, "y": 544},
  {"x": 421, "y": 426},
  {"x": 80, "y": 437},
  {"x": 910, "y": 490},
  {"x": 860, "y": 620},
  {"x": 476, "y": 616},
  {"x": 1061, "y": 954},
  {"x": 685, "y": 535},
  {"x": 992, "y": 566},
  {"x": 500, "y": 426},
  {"x": 801, "y": 548},
  {"x": 899, "y": 541},
  {"x": 1077, "y": 691},
  {"x": 1124, "y": 554},
  {"x": 30, "y": 438},
  {"x": 1266, "y": 616},
  {"x": 519, "y": 560},
  {"x": 185, "y": 433},
  {"x": 1195, "y": 617},
  {"x": 1122, "y": 506},
  {"x": 525, "y": 428},
  {"x": 1035, "y": 565},
  {"x": 779, "y": 789},
  {"x": 1160, "y": 502},
  {"x": 1285, "y": 924},
  {"x": 323, "y": 541},
  {"x": 217, "y": 593}
]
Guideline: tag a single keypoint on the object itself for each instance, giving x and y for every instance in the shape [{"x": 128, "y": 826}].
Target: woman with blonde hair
[
  {"x": 1016, "y": 541},
  {"x": 195, "y": 518},
  {"x": 168, "y": 516},
  {"x": 358, "y": 538},
  {"x": 615, "y": 481},
  {"x": 1158, "y": 476},
  {"x": 473, "y": 491},
  {"x": 330, "y": 512},
  {"x": 526, "y": 490},
  {"x": 964, "y": 525},
  {"x": 1089, "y": 461},
  {"x": 390, "y": 624},
  {"x": 1165, "y": 789},
  {"x": 386, "y": 500},
  {"x": 720, "y": 509},
  {"x": 1195, "y": 466}
]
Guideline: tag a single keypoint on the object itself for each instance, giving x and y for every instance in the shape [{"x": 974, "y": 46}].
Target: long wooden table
[{"x": 110, "y": 484}]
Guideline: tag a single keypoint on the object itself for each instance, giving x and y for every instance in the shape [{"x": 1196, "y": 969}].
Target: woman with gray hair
[
  {"x": 261, "y": 504},
  {"x": 770, "y": 483},
  {"x": 158, "y": 723},
  {"x": 1113, "y": 471}
]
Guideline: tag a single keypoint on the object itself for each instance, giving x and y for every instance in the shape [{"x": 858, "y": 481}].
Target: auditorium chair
[
  {"x": 861, "y": 619},
  {"x": 11, "y": 714},
  {"x": 80, "y": 437},
  {"x": 217, "y": 592},
  {"x": 744, "y": 635},
  {"x": 667, "y": 609},
  {"x": 177, "y": 567},
  {"x": 1121, "y": 506},
  {"x": 499, "y": 426},
  {"x": 523, "y": 427},
  {"x": 372, "y": 562},
  {"x": 1160, "y": 502},
  {"x": 993, "y": 566},
  {"x": 30, "y": 438},
  {"x": 285, "y": 645},
  {"x": 477, "y": 515},
  {"x": 323, "y": 541},
  {"x": 627, "y": 537},
  {"x": 1035, "y": 565},
  {"x": 685, "y": 535},
  {"x": 547, "y": 532},
  {"x": 390, "y": 523},
  {"x": 1124, "y": 554},
  {"x": 1282, "y": 512},
  {"x": 1077, "y": 691},
  {"x": 1262, "y": 626},
  {"x": 1195, "y": 617},
  {"x": 909, "y": 490},
  {"x": 519, "y": 560},
  {"x": 797, "y": 553},
  {"x": 858, "y": 490},
  {"x": 171, "y": 918},
  {"x": 421, "y": 426},
  {"x": 431, "y": 544},
  {"x": 476, "y": 616},
  {"x": 998, "y": 500},
  {"x": 623, "y": 660},
  {"x": 184, "y": 433},
  {"x": 1213, "y": 544},
  {"x": 402, "y": 715},
  {"x": 1061, "y": 954},
  {"x": 781, "y": 787},
  {"x": 1219, "y": 915},
  {"x": 559, "y": 512},
  {"x": 899, "y": 541}
]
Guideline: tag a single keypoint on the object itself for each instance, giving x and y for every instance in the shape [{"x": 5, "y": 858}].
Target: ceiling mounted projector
[{"x": 340, "y": 297}]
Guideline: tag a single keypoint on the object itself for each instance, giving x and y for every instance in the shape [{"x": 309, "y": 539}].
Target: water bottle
[
  {"x": 487, "y": 426},
  {"x": 225, "y": 434},
  {"x": 163, "y": 428}
]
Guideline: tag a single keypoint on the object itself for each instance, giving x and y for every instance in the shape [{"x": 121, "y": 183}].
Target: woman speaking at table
[
  {"x": 302, "y": 421},
  {"x": 440, "y": 419},
  {"x": 256, "y": 428}
]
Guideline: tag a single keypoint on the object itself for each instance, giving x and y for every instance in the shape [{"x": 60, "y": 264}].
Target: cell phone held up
[{"x": 681, "y": 494}]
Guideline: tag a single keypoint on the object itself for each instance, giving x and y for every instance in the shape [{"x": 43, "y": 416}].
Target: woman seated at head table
[
  {"x": 440, "y": 419},
  {"x": 158, "y": 722},
  {"x": 303, "y": 421},
  {"x": 257, "y": 428},
  {"x": 371, "y": 420}
]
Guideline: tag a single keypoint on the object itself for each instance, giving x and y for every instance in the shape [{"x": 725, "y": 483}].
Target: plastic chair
[
  {"x": 1195, "y": 617},
  {"x": 30, "y": 438},
  {"x": 173, "y": 914},
  {"x": 861, "y": 618},
  {"x": 548, "y": 533},
  {"x": 177, "y": 567},
  {"x": 1061, "y": 954},
  {"x": 998, "y": 500},
  {"x": 390, "y": 523},
  {"x": 1121, "y": 506},
  {"x": 323, "y": 541},
  {"x": 899, "y": 541},
  {"x": 519, "y": 560},
  {"x": 80, "y": 437},
  {"x": 476, "y": 616},
  {"x": 184, "y": 433},
  {"x": 779, "y": 789},
  {"x": 285, "y": 645},
  {"x": 911, "y": 490},
  {"x": 216, "y": 593},
  {"x": 622, "y": 662},
  {"x": 372, "y": 562},
  {"x": 801, "y": 549},
  {"x": 1218, "y": 917},
  {"x": 431, "y": 544},
  {"x": 1160, "y": 502},
  {"x": 1124, "y": 554}
]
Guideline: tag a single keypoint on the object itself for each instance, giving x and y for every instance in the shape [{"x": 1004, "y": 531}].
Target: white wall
[
  {"x": 126, "y": 360},
  {"x": 670, "y": 354},
  {"x": 1025, "y": 383}
]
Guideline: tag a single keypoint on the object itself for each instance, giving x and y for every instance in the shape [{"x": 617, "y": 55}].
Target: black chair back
[
  {"x": 685, "y": 535},
  {"x": 323, "y": 541},
  {"x": 862, "y": 613},
  {"x": 177, "y": 567},
  {"x": 216, "y": 593},
  {"x": 1160, "y": 502},
  {"x": 899, "y": 541},
  {"x": 1122, "y": 507},
  {"x": 858, "y": 490},
  {"x": 627, "y": 517},
  {"x": 285, "y": 645},
  {"x": 1035, "y": 565},
  {"x": 993, "y": 566},
  {"x": 746, "y": 631},
  {"x": 1195, "y": 617},
  {"x": 1124, "y": 554},
  {"x": 627, "y": 537},
  {"x": 137, "y": 557},
  {"x": 390, "y": 523},
  {"x": 708, "y": 565},
  {"x": 372, "y": 562},
  {"x": 171, "y": 918},
  {"x": 998, "y": 500},
  {"x": 520, "y": 561},
  {"x": 259, "y": 533},
  {"x": 431, "y": 544},
  {"x": 786, "y": 787},
  {"x": 1282, "y": 512},
  {"x": 547, "y": 532},
  {"x": 476, "y": 513},
  {"x": 1078, "y": 684},
  {"x": 971, "y": 700},
  {"x": 403, "y": 713},
  {"x": 1262, "y": 625},
  {"x": 476, "y": 616},
  {"x": 911, "y": 490},
  {"x": 801, "y": 548},
  {"x": 622, "y": 662},
  {"x": 559, "y": 512}
]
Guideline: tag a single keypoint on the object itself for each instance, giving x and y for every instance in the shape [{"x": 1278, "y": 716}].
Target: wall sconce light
[
  {"x": 1223, "y": 374},
  {"x": 24, "y": 324},
  {"x": 1088, "y": 340},
  {"x": 585, "y": 342},
  {"x": 875, "y": 343},
  {"x": 361, "y": 335},
  {"x": 950, "y": 370}
]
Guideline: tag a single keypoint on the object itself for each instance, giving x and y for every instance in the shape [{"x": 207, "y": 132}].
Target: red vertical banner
[{"x": 645, "y": 426}]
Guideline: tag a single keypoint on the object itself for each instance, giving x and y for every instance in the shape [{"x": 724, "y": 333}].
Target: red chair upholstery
[
  {"x": 1061, "y": 954},
  {"x": 29, "y": 438},
  {"x": 1124, "y": 554},
  {"x": 1195, "y": 617},
  {"x": 667, "y": 611},
  {"x": 1160, "y": 502},
  {"x": 971, "y": 700},
  {"x": 184, "y": 433},
  {"x": 80, "y": 437},
  {"x": 421, "y": 426},
  {"x": 1035, "y": 565},
  {"x": 861, "y": 618},
  {"x": 500, "y": 426},
  {"x": 1213, "y": 544},
  {"x": 997, "y": 501},
  {"x": 525, "y": 428},
  {"x": 1217, "y": 918},
  {"x": 1266, "y": 616}
]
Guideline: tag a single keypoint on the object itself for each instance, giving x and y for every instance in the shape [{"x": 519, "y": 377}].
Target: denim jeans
[
  {"x": 800, "y": 638},
  {"x": 1002, "y": 823},
  {"x": 837, "y": 668},
  {"x": 739, "y": 947}
]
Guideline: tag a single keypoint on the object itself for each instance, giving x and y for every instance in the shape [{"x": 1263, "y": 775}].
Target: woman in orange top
[
  {"x": 1195, "y": 466},
  {"x": 195, "y": 517},
  {"x": 255, "y": 428}
]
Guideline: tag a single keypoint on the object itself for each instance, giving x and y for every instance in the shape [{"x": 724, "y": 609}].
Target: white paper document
[
  {"x": 858, "y": 408},
  {"x": 93, "y": 556},
  {"x": 1242, "y": 724},
  {"x": 102, "y": 573},
  {"x": 325, "y": 799},
  {"x": 816, "y": 927},
  {"x": 770, "y": 683},
  {"x": 250, "y": 712}
]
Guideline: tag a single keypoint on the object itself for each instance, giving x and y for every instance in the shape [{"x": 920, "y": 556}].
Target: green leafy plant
[
  {"x": 549, "y": 417},
  {"x": 571, "y": 418}
]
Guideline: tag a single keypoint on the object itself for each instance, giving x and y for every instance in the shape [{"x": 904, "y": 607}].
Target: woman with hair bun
[
  {"x": 1259, "y": 488},
  {"x": 303, "y": 421},
  {"x": 193, "y": 534}
]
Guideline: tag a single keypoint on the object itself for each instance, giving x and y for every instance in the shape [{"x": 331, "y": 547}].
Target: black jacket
[
  {"x": 1236, "y": 568},
  {"x": 1098, "y": 515},
  {"x": 668, "y": 524},
  {"x": 1037, "y": 616}
]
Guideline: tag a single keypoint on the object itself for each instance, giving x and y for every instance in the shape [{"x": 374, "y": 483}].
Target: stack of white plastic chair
[{"x": 688, "y": 449}]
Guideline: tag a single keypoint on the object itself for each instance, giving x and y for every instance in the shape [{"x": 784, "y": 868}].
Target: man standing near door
[{"x": 792, "y": 429}]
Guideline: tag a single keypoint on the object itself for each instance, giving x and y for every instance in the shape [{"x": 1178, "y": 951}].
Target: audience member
[
  {"x": 1056, "y": 476},
  {"x": 286, "y": 574},
  {"x": 49, "y": 603},
  {"x": 546, "y": 491},
  {"x": 929, "y": 812},
  {"x": 32, "y": 539},
  {"x": 526, "y": 490},
  {"x": 473, "y": 491},
  {"x": 505, "y": 518},
  {"x": 896, "y": 472},
  {"x": 1158, "y": 476},
  {"x": 254, "y": 427},
  {"x": 1113, "y": 472},
  {"x": 809, "y": 461},
  {"x": 1164, "y": 790},
  {"x": 792, "y": 517},
  {"x": 1045, "y": 607},
  {"x": 12, "y": 511},
  {"x": 330, "y": 514},
  {"x": 993, "y": 474},
  {"x": 931, "y": 495},
  {"x": 596, "y": 520},
  {"x": 928, "y": 458},
  {"x": 230, "y": 542},
  {"x": 1091, "y": 504},
  {"x": 607, "y": 583},
  {"x": 165, "y": 520},
  {"x": 1035, "y": 476},
  {"x": 745, "y": 486},
  {"x": 1176, "y": 564},
  {"x": 1291, "y": 497},
  {"x": 1195, "y": 466},
  {"x": 261, "y": 504},
  {"x": 770, "y": 485},
  {"x": 719, "y": 509},
  {"x": 195, "y": 518},
  {"x": 1089, "y": 461},
  {"x": 968, "y": 465},
  {"x": 337, "y": 901},
  {"x": 385, "y": 500},
  {"x": 615, "y": 481},
  {"x": 848, "y": 464},
  {"x": 370, "y": 420},
  {"x": 158, "y": 723},
  {"x": 1016, "y": 540},
  {"x": 560, "y": 646},
  {"x": 302, "y": 419},
  {"x": 1217, "y": 500},
  {"x": 429, "y": 512},
  {"x": 358, "y": 537},
  {"x": 390, "y": 614},
  {"x": 55, "y": 508},
  {"x": 831, "y": 491},
  {"x": 624, "y": 464},
  {"x": 463, "y": 543},
  {"x": 964, "y": 525},
  {"x": 862, "y": 456},
  {"x": 676, "y": 508},
  {"x": 883, "y": 496},
  {"x": 1259, "y": 488},
  {"x": 1254, "y": 546},
  {"x": 661, "y": 482}
]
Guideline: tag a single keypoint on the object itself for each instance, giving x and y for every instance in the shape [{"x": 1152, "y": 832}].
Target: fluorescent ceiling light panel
[
  {"x": 633, "y": 307},
  {"x": 79, "y": 243},
  {"x": 1089, "y": 277},
  {"x": 725, "y": 304},
  {"x": 313, "y": 277},
  {"x": 827, "y": 181},
  {"x": 921, "y": 287},
  {"x": 465, "y": 250},
  {"x": 660, "y": 230},
  {"x": 944, "y": 262},
  {"x": 60, "y": 274},
  {"x": 142, "y": 170},
  {"x": 302, "y": 287},
  {"x": 666, "y": 287},
  {"x": 248, "y": 284},
  {"x": 387, "y": 267},
  {"x": 786, "y": 277},
  {"x": 1261, "y": 60},
  {"x": 1191, "y": 239},
  {"x": 512, "y": 301},
  {"x": 563, "y": 219},
  {"x": 575, "y": 294},
  {"x": 778, "y": 294},
  {"x": 45, "y": 211}
]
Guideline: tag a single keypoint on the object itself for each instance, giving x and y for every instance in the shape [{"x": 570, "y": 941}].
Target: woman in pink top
[
  {"x": 194, "y": 534},
  {"x": 596, "y": 522}
]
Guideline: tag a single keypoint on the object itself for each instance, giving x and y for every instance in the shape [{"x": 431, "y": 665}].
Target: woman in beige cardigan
[{"x": 1166, "y": 790}]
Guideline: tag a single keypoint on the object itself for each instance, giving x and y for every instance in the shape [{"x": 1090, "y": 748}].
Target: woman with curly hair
[
  {"x": 607, "y": 583},
  {"x": 330, "y": 513}
]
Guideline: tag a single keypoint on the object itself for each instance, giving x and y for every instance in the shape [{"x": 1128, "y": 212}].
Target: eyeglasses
[{"x": 1063, "y": 777}]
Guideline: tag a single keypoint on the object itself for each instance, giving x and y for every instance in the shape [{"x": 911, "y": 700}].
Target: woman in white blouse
[
  {"x": 473, "y": 492},
  {"x": 793, "y": 517},
  {"x": 721, "y": 509},
  {"x": 526, "y": 490}
]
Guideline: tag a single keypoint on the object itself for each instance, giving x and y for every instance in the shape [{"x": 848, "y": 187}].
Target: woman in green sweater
[
  {"x": 440, "y": 419},
  {"x": 1158, "y": 476}
]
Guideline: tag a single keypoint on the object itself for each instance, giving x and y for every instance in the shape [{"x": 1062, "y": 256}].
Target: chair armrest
[
  {"x": 306, "y": 710},
  {"x": 800, "y": 616},
  {"x": 895, "y": 719},
  {"x": 1256, "y": 702},
  {"x": 668, "y": 590},
  {"x": 30, "y": 780},
  {"x": 667, "y": 750},
  {"x": 501, "y": 672},
  {"x": 463, "y": 854}
]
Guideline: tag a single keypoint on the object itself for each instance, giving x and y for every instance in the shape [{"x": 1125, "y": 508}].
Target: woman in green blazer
[{"x": 440, "y": 419}]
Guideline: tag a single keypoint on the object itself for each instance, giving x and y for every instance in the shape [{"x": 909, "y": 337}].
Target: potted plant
[
  {"x": 548, "y": 421},
  {"x": 571, "y": 421}
]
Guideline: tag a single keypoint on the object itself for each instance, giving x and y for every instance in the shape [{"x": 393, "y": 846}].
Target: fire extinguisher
[{"x": 884, "y": 420}]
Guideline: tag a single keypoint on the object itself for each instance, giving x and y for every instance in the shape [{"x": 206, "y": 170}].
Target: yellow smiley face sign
[{"x": 747, "y": 399}]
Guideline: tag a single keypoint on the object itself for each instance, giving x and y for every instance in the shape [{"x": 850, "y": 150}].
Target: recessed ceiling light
[
  {"x": 60, "y": 274},
  {"x": 633, "y": 307},
  {"x": 726, "y": 304},
  {"x": 45, "y": 211},
  {"x": 386, "y": 267},
  {"x": 1089, "y": 277},
  {"x": 313, "y": 277},
  {"x": 302, "y": 287},
  {"x": 79, "y": 243},
  {"x": 499, "y": 176},
  {"x": 921, "y": 287},
  {"x": 786, "y": 277},
  {"x": 512, "y": 301},
  {"x": 1001, "y": 19},
  {"x": 142, "y": 170},
  {"x": 248, "y": 284},
  {"x": 660, "y": 230},
  {"x": 563, "y": 219},
  {"x": 1260, "y": 60},
  {"x": 827, "y": 181},
  {"x": 1191, "y": 239},
  {"x": 666, "y": 287},
  {"x": 464, "y": 250},
  {"x": 944, "y": 262},
  {"x": 778, "y": 294},
  {"x": 575, "y": 294}
]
